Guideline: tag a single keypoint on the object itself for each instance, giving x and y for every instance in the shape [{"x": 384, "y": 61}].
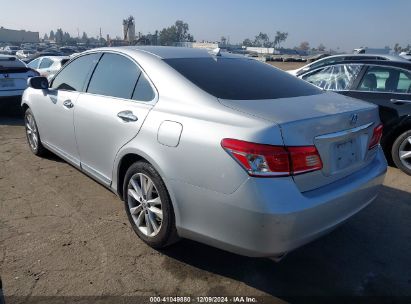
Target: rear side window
[
  {"x": 74, "y": 76},
  {"x": 386, "y": 79},
  {"x": 143, "y": 90},
  {"x": 115, "y": 75},
  {"x": 240, "y": 79}
]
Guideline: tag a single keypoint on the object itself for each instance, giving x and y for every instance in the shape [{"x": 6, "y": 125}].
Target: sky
[{"x": 340, "y": 25}]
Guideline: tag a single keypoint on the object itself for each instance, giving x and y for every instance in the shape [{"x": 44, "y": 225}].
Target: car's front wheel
[
  {"x": 32, "y": 134},
  {"x": 148, "y": 206},
  {"x": 401, "y": 152}
]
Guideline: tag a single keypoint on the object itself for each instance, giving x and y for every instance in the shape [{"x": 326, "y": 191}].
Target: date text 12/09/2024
[{"x": 236, "y": 299}]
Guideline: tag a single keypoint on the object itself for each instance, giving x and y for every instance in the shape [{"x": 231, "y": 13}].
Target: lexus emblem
[{"x": 354, "y": 119}]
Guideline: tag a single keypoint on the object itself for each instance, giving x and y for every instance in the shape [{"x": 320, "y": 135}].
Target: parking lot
[{"x": 61, "y": 233}]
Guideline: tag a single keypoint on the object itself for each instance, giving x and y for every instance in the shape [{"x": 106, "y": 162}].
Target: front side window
[
  {"x": 386, "y": 79},
  {"x": 115, "y": 76},
  {"x": 74, "y": 76},
  {"x": 336, "y": 77}
]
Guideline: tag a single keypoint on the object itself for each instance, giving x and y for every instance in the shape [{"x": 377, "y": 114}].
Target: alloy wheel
[
  {"x": 144, "y": 204},
  {"x": 405, "y": 152},
  {"x": 31, "y": 131}
]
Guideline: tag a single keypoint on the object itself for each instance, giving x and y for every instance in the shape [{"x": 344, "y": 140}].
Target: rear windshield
[
  {"x": 240, "y": 79},
  {"x": 10, "y": 62}
]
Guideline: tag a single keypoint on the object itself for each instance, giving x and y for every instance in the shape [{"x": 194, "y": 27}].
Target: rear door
[
  {"x": 111, "y": 112},
  {"x": 387, "y": 87}
]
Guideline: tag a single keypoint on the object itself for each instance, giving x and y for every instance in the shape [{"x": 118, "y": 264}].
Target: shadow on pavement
[
  {"x": 369, "y": 255},
  {"x": 10, "y": 112}
]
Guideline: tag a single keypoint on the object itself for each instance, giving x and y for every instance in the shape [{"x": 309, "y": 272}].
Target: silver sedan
[{"x": 210, "y": 146}]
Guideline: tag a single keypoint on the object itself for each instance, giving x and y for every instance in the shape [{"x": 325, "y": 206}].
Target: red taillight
[
  {"x": 267, "y": 160},
  {"x": 376, "y": 137},
  {"x": 305, "y": 159}
]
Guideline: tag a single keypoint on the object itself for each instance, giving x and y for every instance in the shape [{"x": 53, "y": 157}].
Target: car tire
[
  {"x": 143, "y": 209},
  {"x": 400, "y": 146},
  {"x": 32, "y": 134}
]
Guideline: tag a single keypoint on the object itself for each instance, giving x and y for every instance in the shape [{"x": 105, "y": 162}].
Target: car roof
[
  {"x": 386, "y": 56},
  {"x": 169, "y": 52},
  {"x": 55, "y": 57},
  {"x": 390, "y": 63}
]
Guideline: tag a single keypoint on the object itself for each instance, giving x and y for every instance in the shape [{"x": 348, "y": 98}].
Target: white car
[
  {"x": 25, "y": 53},
  {"x": 13, "y": 76},
  {"x": 406, "y": 55},
  {"x": 48, "y": 66},
  {"x": 10, "y": 50}
]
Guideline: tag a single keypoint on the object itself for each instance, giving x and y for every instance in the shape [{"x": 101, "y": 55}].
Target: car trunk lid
[
  {"x": 340, "y": 128},
  {"x": 14, "y": 78}
]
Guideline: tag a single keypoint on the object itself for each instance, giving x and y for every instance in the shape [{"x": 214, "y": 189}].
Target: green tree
[
  {"x": 247, "y": 42},
  {"x": 84, "y": 37},
  {"x": 262, "y": 40},
  {"x": 59, "y": 35},
  {"x": 178, "y": 32},
  {"x": 321, "y": 47},
  {"x": 279, "y": 38},
  {"x": 397, "y": 48}
]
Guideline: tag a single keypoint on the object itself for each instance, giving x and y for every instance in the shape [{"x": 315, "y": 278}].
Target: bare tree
[{"x": 304, "y": 46}]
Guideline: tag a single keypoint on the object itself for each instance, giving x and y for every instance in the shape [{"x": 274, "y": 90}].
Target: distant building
[
  {"x": 129, "y": 29},
  {"x": 18, "y": 36},
  {"x": 262, "y": 50},
  {"x": 204, "y": 45}
]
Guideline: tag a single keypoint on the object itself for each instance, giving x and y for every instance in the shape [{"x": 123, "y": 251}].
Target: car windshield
[{"x": 240, "y": 79}]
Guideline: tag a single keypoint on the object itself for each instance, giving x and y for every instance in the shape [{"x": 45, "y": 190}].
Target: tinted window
[
  {"x": 74, "y": 76},
  {"x": 335, "y": 77},
  {"x": 45, "y": 63},
  {"x": 386, "y": 79},
  {"x": 240, "y": 79},
  {"x": 114, "y": 76},
  {"x": 143, "y": 90}
]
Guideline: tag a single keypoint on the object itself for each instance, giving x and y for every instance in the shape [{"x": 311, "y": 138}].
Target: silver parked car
[{"x": 213, "y": 147}]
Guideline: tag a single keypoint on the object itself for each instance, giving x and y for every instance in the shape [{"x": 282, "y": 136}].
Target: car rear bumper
[{"x": 270, "y": 217}]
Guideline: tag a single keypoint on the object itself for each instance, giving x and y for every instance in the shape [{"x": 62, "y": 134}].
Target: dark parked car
[{"x": 385, "y": 83}]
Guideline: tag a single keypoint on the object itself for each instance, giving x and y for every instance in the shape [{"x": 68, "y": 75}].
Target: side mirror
[{"x": 39, "y": 83}]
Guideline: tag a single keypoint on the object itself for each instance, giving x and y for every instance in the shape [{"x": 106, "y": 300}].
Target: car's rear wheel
[
  {"x": 401, "y": 152},
  {"x": 148, "y": 206},
  {"x": 32, "y": 134}
]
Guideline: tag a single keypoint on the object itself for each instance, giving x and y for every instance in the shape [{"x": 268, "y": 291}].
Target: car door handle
[
  {"x": 68, "y": 104},
  {"x": 127, "y": 116},
  {"x": 400, "y": 101}
]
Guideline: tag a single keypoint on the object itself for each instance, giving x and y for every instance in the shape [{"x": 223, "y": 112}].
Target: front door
[{"x": 55, "y": 109}]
